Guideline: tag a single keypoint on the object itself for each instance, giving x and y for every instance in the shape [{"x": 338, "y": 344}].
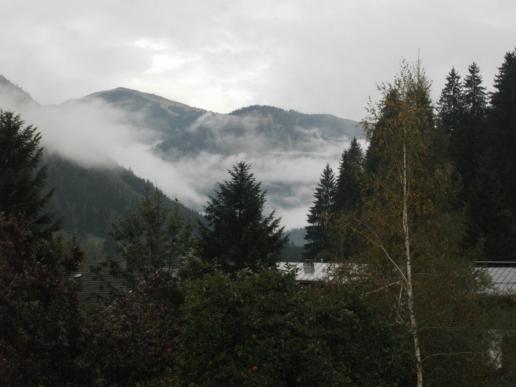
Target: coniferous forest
[{"x": 109, "y": 282}]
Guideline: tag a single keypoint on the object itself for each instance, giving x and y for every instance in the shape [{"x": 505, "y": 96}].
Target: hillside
[
  {"x": 182, "y": 149},
  {"x": 146, "y": 110},
  {"x": 12, "y": 95},
  {"x": 186, "y": 131},
  {"x": 89, "y": 200}
]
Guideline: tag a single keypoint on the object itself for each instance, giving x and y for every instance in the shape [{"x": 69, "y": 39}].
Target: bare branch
[
  {"x": 378, "y": 242},
  {"x": 454, "y": 354},
  {"x": 384, "y": 287}
]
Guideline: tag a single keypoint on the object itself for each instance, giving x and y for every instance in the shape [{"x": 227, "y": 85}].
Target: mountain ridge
[
  {"x": 198, "y": 146},
  {"x": 87, "y": 199},
  {"x": 11, "y": 93}
]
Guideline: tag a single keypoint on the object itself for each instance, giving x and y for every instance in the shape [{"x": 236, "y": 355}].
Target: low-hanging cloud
[{"x": 97, "y": 135}]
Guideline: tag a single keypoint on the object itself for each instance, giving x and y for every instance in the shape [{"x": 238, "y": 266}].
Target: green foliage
[
  {"x": 350, "y": 182},
  {"x": 132, "y": 341},
  {"x": 237, "y": 234},
  {"x": 152, "y": 237},
  {"x": 474, "y": 93},
  {"x": 451, "y": 104},
  {"x": 444, "y": 280},
  {"x": 263, "y": 328},
  {"x": 498, "y": 220},
  {"x": 319, "y": 242},
  {"x": 481, "y": 144},
  {"x": 22, "y": 178},
  {"x": 350, "y": 193},
  {"x": 89, "y": 200},
  {"x": 39, "y": 316}
]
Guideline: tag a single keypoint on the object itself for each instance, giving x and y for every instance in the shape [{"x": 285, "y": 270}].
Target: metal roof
[
  {"x": 309, "y": 271},
  {"x": 503, "y": 279},
  {"x": 501, "y": 274}
]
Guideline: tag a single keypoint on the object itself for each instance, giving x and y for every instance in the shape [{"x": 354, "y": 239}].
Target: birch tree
[{"x": 414, "y": 234}]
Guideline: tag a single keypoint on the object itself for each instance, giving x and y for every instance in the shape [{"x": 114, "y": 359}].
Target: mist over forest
[
  {"x": 250, "y": 193},
  {"x": 185, "y": 150}
]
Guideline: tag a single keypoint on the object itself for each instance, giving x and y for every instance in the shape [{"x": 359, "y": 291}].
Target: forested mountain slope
[{"x": 90, "y": 199}]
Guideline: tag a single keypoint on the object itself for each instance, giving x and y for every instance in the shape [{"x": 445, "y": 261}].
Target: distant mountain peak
[
  {"x": 124, "y": 94},
  {"x": 12, "y": 95},
  {"x": 273, "y": 110},
  {"x": 258, "y": 109}
]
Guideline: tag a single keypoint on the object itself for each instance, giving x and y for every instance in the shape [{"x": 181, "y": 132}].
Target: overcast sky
[{"x": 313, "y": 56}]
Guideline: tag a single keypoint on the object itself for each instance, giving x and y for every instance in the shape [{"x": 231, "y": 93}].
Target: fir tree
[
  {"x": 496, "y": 202},
  {"x": 22, "y": 178},
  {"x": 237, "y": 234},
  {"x": 348, "y": 200},
  {"x": 320, "y": 216},
  {"x": 474, "y": 93},
  {"x": 470, "y": 142},
  {"x": 461, "y": 110},
  {"x": 349, "y": 182},
  {"x": 152, "y": 237},
  {"x": 451, "y": 104},
  {"x": 502, "y": 126}
]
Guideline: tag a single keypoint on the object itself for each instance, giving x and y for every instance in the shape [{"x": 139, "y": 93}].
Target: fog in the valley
[
  {"x": 96, "y": 135},
  {"x": 315, "y": 57}
]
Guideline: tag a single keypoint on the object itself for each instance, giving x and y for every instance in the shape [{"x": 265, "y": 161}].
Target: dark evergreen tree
[
  {"x": 474, "y": 93},
  {"x": 22, "y": 178},
  {"x": 318, "y": 235},
  {"x": 237, "y": 234},
  {"x": 348, "y": 199},
  {"x": 495, "y": 198},
  {"x": 451, "y": 118},
  {"x": 469, "y": 142},
  {"x": 502, "y": 126},
  {"x": 451, "y": 106},
  {"x": 350, "y": 180},
  {"x": 461, "y": 115},
  {"x": 152, "y": 237}
]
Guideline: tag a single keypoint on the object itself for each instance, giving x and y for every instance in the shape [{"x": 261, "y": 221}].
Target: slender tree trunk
[{"x": 410, "y": 289}]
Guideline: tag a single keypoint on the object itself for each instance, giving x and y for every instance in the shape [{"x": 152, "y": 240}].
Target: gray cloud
[{"x": 323, "y": 56}]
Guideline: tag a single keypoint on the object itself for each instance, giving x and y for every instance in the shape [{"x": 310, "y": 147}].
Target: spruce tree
[
  {"x": 237, "y": 234},
  {"x": 152, "y": 237},
  {"x": 320, "y": 216},
  {"x": 350, "y": 180},
  {"x": 451, "y": 118},
  {"x": 461, "y": 113},
  {"x": 22, "y": 177},
  {"x": 474, "y": 93},
  {"x": 451, "y": 106},
  {"x": 502, "y": 126},
  {"x": 348, "y": 201},
  {"x": 470, "y": 142},
  {"x": 496, "y": 212}
]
